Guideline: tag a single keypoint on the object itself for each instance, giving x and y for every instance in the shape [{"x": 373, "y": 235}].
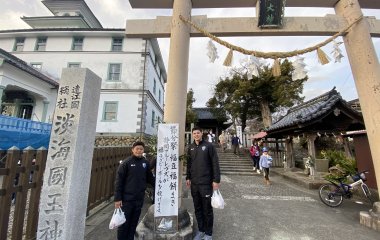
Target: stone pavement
[{"x": 283, "y": 210}]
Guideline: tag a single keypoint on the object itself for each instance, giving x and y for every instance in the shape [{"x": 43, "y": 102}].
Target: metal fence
[{"x": 21, "y": 178}]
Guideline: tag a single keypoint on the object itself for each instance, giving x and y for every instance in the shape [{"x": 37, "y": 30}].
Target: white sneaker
[
  {"x": 199, "y": 236},
  {"x": 258, "y": 171},
  {"x": 254, "y": 168},
  {"x": 207, "y": 237}
]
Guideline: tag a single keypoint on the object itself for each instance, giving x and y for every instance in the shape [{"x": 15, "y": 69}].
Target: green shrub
[{"x": 343, "y": 165}]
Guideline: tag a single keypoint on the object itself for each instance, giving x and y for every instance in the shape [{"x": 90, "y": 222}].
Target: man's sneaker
[
  {"x": 199, "y": 236},
  {"x": 207, "y": 237},
  {"x": 258, "y": 171},
  {"x": 254, "y": 168}
]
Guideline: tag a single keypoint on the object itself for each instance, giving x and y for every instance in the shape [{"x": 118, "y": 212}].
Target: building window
[
  {"x": 77, "y": 44},
  {"x": 114, "y": 71},
  {"x": 159, "y": 96},
  {"x": 41, "y": 44},
  {"x": 73, "y": 65},
  {"x": 110, "y": 111},
  {"x": 117, "y": 44},
  {"x": 153, "y": 118},
  {"x": 154, "y": 86},
  {"x": 19, "y": 44},
  {"x": 37, "y": 66}
]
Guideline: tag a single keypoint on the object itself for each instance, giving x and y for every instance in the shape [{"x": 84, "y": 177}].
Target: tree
[
  {"x": 191, "y": 116},
  {"x": 244, "y": 97}
]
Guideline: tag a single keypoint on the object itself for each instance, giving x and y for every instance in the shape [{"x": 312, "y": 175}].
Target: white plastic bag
[
  {"x": 118, "y": 218},
  {"x": 217, "y": 200}
]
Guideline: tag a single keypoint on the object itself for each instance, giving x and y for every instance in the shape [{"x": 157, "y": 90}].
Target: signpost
[{"x": 166, "y": 190}]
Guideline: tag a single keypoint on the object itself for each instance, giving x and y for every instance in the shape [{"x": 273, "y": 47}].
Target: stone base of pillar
[
  {"x": 371, "y": 219},
  {"x": 145, "y": 230}
]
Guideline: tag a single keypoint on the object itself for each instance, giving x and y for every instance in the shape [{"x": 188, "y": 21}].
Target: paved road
[{"x": 281, "y": 211}]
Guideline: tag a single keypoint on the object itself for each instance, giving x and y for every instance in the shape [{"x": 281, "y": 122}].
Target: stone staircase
[{"x": 230, "y": 164}]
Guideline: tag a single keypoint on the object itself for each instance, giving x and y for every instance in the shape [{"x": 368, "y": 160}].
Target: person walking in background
[
  {"x": 203, "y": 176},
  {"x": 265, "y": 164},
  {"x": 255, "y": 154},
  {"x": 210, "y": 137},
  {"x": 235, "y": 141},
  {"x": 223, "y": 141},
  {"x": 132, "y": 177}
]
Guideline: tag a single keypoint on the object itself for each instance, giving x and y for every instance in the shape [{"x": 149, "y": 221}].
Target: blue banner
[{"x": 23, "y": 133}]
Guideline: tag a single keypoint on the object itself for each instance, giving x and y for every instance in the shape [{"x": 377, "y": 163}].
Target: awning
[{"x": 259, "y": 135}]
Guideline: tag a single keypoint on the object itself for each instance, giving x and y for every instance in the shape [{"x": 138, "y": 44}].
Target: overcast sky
[{"x": 202, "y": 74}]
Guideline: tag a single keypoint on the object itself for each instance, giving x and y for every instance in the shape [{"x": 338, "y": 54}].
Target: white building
[
  {"x": 26, "y": 92},
  {"x": 132, "y": 70}
]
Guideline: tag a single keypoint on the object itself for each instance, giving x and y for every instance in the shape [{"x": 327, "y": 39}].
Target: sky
[{"x": 203, "y": 75}]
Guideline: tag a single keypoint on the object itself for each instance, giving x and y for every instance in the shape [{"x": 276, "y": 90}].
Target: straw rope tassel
[
  {"x": 322, "y": 57},
  {"x": 228, "y": 60},
  {"x": 276, "y": 69}
]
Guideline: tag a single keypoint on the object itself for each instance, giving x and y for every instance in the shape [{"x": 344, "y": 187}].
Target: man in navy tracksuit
[
  {"x": 132, "y": 176},
  {"x": 203, "y": 175}
]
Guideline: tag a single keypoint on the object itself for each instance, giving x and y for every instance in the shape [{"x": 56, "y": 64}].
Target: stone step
[
  {"x": 238, "y": 173},
  {"x": 236, "y": 169},
  {"x": 230, "y": 164},
  {"x": 235, "y": 163}
]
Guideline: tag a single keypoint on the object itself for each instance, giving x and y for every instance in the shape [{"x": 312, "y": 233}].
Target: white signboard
[
  {"x": 239, "y": 133},
  {"x": 166, "y": 191}
]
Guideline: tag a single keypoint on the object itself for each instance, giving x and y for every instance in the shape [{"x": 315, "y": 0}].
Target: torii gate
[{"x": 359, "y": 46}]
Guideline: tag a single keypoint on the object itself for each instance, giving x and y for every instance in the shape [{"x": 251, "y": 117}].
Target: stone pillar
[
  {"x": 366, "y": 72},
  {"x": 64, "y": 194},
  {"x": 175, "y": 102},
  {"x": 44, "y": 110},
  {"x": 17, "y": 108},
  {"x": 1, "y": 95},
  {"x": 175, "y": 109}
]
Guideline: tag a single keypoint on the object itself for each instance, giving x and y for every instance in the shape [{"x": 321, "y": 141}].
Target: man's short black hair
[
  {"x": 138, "y": 143},
  {"x": 196, "y": 128}
]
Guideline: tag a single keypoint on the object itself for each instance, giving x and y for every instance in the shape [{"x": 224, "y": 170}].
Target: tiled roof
[
  {"x": 20, "y": 64},
  {"x": 309, "y": 110}
]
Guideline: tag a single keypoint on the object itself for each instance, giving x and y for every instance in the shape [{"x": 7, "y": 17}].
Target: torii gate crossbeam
[
  {"x": 246, "y": 3},
  {"x": 246, "y": 26}
]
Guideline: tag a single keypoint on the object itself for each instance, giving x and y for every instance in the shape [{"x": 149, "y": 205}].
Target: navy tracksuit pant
[{"x": 202, "y": 207}]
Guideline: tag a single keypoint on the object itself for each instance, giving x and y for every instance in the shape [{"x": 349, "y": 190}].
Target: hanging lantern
[
  {"x": 299, "y": 68},
  {"x": 337, "y": 52},
  {"x": 212, "y": 52}
]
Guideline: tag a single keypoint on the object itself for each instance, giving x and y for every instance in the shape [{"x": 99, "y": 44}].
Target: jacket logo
[
  {"x": 203, "y": 148},
  {"x": 133, "y": 165},
  {"x": 144, "y": 165}
]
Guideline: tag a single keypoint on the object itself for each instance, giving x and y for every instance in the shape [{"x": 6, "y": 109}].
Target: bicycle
[{"x": 332, "y": 193}]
